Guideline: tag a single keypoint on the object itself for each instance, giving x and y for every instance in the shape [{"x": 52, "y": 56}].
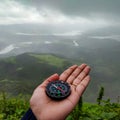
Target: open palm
[{"x": 46, "y": 108}]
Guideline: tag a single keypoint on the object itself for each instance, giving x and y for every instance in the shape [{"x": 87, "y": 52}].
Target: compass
[{"x": 58, "y": 89}]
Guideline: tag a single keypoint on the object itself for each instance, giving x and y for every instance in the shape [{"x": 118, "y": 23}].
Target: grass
[{"x": 50, "y": 59}]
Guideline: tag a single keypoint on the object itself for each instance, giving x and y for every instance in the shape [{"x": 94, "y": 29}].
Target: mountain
[
  {"x": 99, "y": 48},
  {"x": 22, "y": 73}
]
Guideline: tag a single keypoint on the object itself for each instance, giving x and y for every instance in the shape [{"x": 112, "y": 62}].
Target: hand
[{"x": 44, "y": 108}]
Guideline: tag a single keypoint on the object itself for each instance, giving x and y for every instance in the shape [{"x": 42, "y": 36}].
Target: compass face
[{"x": 58, "y": 89}]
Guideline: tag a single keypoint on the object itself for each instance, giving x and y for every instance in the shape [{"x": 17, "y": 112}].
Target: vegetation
[
  {"x": 107, "y": 111},
  {"x": 50, "y": 59},
  {"x": 100, "y": 96},
  {"x": 13, "y": 108},
  {"x": 21, "y": 74},
  {"x": 103, "y": 110}
]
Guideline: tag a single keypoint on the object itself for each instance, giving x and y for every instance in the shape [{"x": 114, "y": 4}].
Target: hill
[{"x": 20, "y": 74}]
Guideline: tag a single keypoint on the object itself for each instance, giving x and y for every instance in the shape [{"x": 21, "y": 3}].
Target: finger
[
  {"x": 75, "y": 73},
  {"x": 82, "y": 75},
  {"x": 67, "y": 72},
  {"x": 82, "y": 86},
  {"x": 51, "y": 78}
]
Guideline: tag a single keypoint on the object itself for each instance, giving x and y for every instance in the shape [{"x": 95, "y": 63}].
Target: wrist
[
  {"x": 49, "y": 117},
  {"x": 29, "y": 115}
]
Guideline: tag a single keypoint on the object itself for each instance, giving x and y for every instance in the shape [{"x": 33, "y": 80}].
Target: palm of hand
[{"x": 47, "y": 109}]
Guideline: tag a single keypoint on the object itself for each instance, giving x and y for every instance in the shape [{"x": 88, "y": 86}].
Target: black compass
[{"x": 58, "y": 89}]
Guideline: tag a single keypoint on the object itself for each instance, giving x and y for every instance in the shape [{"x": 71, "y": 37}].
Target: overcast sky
[{"x": 59, "y": 16}]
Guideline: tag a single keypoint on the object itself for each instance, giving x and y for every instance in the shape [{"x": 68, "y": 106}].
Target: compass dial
[{"x": 58, "y": 89}]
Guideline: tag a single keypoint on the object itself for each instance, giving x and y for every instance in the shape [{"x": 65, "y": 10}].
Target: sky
[{"x": 58, "y": 17}]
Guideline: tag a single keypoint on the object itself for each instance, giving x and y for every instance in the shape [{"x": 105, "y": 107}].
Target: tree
[{"x": 100, "y": 95}]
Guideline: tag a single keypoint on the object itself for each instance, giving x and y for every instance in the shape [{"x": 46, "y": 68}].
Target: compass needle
[{"x": 58, "y": 89}]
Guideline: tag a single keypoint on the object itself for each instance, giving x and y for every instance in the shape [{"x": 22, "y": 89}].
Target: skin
[{"x": 44, "y": 108}]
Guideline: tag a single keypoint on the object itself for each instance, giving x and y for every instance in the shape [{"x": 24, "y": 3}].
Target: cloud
[
  {"x": 81, "y": 7},
  {"x": 7, "y": 49},
  {"x": 14, "y": 12},
  {"x": 107, "y": 10},
  {"x": 58, "y": 17},
  {"x": 115, "y": 37}
]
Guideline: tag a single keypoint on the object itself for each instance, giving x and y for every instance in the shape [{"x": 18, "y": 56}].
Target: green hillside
[
  {"x": 21, "y": 74},
  {"x": 50, "y": 59}
]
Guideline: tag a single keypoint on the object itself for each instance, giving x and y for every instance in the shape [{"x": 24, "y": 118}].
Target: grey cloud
[
  {"x": 92, "y": 10},
  {"x": 81, "y": 7}
]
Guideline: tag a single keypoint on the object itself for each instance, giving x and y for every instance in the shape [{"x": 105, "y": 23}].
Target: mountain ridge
[{"x": 22, "y": 73}]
